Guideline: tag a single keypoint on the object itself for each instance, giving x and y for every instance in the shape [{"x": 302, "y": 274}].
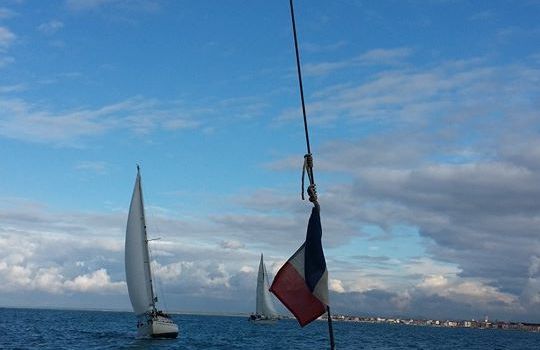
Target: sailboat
[
  {"x": 151, "y": 322},
  {"x": 264, "y": 307}
]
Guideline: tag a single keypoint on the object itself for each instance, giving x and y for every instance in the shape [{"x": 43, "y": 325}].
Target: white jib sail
[
  {"x": 265, "y": 306},
  {"x": 138, "y": 277}
]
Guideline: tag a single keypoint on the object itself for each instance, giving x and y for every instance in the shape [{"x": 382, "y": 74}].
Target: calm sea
[{"x": 61, "y": 329}]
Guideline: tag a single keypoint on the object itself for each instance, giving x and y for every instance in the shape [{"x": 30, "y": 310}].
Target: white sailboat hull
[
  {"x": 159, "y": 327},
  {"x": 262, "y": 320}
]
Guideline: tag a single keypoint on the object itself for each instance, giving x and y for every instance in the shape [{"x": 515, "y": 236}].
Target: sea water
[{"x": 69, "y": 329}]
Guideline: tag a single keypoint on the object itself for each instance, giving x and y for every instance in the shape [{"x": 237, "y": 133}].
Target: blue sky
[{"x": 424, "y": 126}]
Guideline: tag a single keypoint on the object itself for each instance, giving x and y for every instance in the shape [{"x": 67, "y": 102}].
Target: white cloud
[
  {"x": 323, "y": 68},
  {"x": 194, "y": 277},
  {"x": 52, "y": 280},
  {"x": 32, "y": 123},
  {"x": 534, "y": 267},
  {"x": 120, "y": 6},
  {"x": 531, "y": 292},
  {"x": 96, "y": 282},
  {"x": 42, "y": 252},
  {"x": 373, "y": 57},
  {"x": 53, "y": 253},
  {"x": 47, "y": 279},
  {"x": 38, "y": 123},
  {"x": 247, "y": 269},
  {"x": 446, "y": 97},
  {"x": 463, "y": 289},
  {"x": 6, "y": 13},
  {"x": 180, "y": 123},
  {"x": 362, "y": 282},
  {"x": 401, "y": 300},
  {"x": 23, "y": 121},
  {"x": 425, "y": 266},
  {"x": 11, "y": 88},
  {"x": 80, "y": 5},
  {"x": 97, "y": 167},
  {"x": 385, "y": 56},
  {"x": 50, "y": 27},
  {"x": 436, "y": 281},
  {"x": 4, "y": 61},
  {"x": 315, "y": 47},
  {"x": 486, "y": 15},
  {"x": 6, "y": 38},
  {"x": 335, "y": 285},
  {"x": 232, "y": 244},
  {"x": 170, "y": 272}
]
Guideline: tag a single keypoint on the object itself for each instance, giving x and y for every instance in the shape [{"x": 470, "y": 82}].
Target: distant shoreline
[
  {"x": 60, "y": 308},
  {"x": 446, "y": 323}
]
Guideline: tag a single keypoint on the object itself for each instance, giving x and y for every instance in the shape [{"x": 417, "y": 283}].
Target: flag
[{"x": 302, "y": 282}]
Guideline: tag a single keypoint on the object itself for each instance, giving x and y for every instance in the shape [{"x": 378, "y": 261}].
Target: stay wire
[{"x": 308, "y": 159}]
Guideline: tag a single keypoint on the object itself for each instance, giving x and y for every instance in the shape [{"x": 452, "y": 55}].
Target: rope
[
  {"x": 299, "y": 71},
  {"x": 308, "y": 159},
  {"x": 312, "y": 188}
]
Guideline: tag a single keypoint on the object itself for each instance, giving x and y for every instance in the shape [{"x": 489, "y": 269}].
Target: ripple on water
[{"x": 55, "y": 329}]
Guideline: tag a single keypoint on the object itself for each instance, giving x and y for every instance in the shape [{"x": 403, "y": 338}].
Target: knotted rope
[
  {"x": 308, "y": 159},
  {"x": 312, "y": 188}
]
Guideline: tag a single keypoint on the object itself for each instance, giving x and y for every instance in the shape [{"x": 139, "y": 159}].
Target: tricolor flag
[{"x": 302, "y": 283}]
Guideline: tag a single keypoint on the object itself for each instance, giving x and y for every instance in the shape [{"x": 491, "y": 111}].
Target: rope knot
[
  {"x": 312, "y": 193},
  {"x": 308, "y": 168},
  {"x": 308, "y": 161}
]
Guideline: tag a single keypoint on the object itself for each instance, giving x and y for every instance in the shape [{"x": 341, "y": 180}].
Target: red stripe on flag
[{"x": 292, "y": 290}]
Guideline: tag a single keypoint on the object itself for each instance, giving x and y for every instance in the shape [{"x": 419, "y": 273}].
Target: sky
[{"x": 424, "y": 128}]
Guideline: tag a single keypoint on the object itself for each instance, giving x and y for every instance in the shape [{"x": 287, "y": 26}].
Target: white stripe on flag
[
  {"x": 321, "y": 289},
  {"x": 298, "y": 261}
]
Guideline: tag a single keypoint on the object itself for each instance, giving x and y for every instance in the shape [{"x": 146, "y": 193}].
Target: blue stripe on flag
[{"x": 314, "y": 262}]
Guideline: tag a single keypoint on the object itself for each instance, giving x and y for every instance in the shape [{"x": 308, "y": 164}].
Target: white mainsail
[
  {"x": 264, "y": 304},
  {"x": 138, "y": 275}
]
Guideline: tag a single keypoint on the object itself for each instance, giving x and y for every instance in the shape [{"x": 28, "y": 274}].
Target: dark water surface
[{"x": 61, "y": 329}]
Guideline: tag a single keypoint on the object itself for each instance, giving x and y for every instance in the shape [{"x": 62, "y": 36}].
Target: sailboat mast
[{"x": 146, "y": 252}]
